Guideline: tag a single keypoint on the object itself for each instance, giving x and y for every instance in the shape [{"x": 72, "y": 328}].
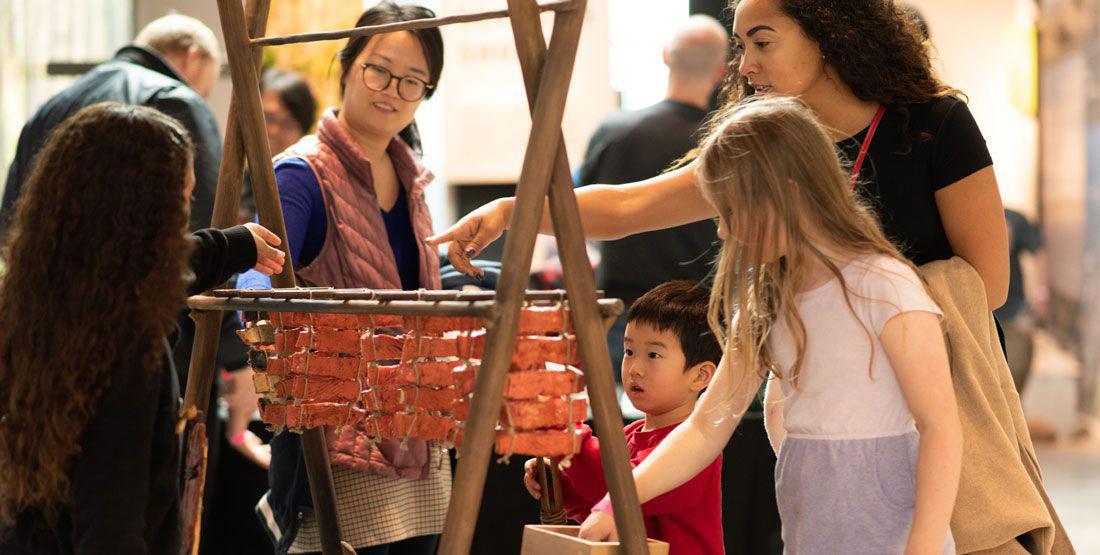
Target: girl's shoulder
[
  {"x": 887, "y": 286},
  {"x": 871, "y": 274}
]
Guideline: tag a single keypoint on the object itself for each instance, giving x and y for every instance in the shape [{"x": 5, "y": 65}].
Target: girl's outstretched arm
[{"x": 913, "y": 342}]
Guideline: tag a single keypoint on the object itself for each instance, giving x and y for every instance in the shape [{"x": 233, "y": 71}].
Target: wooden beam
[
  {"x": 534, "y": 180},
  {"x": 608, "y": 308},
  {"x": 250, "y": 120},
  {"x": 581, "y": 285},
  {"x": 555, "y": 5},
  {"x": 383, "y": 294},
  {"x": 478, "y": 309}
]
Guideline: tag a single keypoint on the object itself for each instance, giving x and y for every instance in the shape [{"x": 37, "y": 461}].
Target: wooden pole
[
  {"x": 227, "y": 200},
  {"x": 200, "y": 376},
  {"x": 250, "y": 120},
  {"x": 531, "y": 191},
  {"x": 581, "y": 285},
  {"x": 555, "y": 5}
]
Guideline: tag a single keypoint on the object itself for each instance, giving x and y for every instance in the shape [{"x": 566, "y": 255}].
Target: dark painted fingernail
[{"x": 470, "y": 252}]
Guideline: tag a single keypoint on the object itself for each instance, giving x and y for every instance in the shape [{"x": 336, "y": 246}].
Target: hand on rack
[
  {"x": 269, "y": 259},
  {"x": 530, "y": 480}
]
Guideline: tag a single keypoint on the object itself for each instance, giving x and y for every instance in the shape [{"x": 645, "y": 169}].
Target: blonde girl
[{"x": 860, "y": 407}]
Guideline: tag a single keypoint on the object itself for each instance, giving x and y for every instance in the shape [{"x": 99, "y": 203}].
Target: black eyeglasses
[{"x": 378, "y": 79}]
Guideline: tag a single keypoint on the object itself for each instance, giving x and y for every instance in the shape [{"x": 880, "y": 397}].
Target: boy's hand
[
  {"x": 529, "y": 479},
  {"x": 599, "y": 527},
  {"x": 269, "y": 260}
]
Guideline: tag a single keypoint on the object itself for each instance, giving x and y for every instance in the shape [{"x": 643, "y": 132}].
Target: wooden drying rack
[{"x": 547, "y": 71}]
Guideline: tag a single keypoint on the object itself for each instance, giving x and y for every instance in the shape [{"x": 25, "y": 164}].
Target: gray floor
[{"x": 1071, "y": 474}]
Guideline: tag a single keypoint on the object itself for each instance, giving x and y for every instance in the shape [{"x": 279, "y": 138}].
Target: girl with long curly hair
[{"x": 99, "y": 263}]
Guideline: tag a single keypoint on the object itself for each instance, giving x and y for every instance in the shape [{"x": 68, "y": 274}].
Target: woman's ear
[{"x": 702, "y": 374}]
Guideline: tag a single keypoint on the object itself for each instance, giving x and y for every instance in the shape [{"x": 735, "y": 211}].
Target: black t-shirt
[
  {"x": 634, "y": 146},
  {"x": 917, "y": 150}
]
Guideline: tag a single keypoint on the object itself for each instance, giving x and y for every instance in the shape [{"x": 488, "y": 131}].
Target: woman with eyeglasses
[{"x": 353, "y": 200}]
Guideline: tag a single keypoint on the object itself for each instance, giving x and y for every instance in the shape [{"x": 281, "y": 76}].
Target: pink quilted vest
[{"x": 357, "y": 253}]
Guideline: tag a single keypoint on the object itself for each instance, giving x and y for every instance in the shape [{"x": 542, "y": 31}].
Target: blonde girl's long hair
[{"x": 771, "y": 171}]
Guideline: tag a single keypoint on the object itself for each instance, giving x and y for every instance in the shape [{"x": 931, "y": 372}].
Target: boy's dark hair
[{"x": 680, "y": 307}]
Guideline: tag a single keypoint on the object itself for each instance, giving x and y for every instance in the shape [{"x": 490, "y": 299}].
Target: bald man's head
[
  {"x": 698, "y": 50},
  {"x": 188, "y": 45}
]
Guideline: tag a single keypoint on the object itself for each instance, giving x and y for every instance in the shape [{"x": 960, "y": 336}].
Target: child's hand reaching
[
  {"x": 530, "y": 480},
  {"x": 269, "y": 260},
  {"x": 599, "y": 527}
]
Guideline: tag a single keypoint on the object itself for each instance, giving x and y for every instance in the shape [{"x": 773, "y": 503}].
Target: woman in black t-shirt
[{"x": 927, "y": 170}]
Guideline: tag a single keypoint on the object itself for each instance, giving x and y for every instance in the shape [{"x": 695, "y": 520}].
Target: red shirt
[{"x": 689, "y": 517}]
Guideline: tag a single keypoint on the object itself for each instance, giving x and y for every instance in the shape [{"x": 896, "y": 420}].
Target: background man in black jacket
[{"x": 171, "y": 67}]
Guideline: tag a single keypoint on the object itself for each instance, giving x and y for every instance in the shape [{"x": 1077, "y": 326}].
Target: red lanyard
[{"x": 866, "y": 144}]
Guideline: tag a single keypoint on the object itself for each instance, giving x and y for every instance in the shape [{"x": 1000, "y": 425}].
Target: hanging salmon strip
[
  {"x": 544, "y": 320},
  {"x": 338, "y": 321},
  {"x": 439, "y": 325},
  {"x": 310, "y": 415},
  {"x": 426, "y": 373},
  {"x": 527, "y": 384},
  {"x": 330, "y": 340},
  {"x": 400, "y": 399},
  {"x": 532, "y": 353},
  {"x": 316, "y": 389},
  {"x": 317, "y": 364},
  {"x": 551, "y": 413},
  {"x": 411, "y": 425},
  {"x": 543, "y": 443}
]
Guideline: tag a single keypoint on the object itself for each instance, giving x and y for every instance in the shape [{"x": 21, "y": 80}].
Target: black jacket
[
  {"x": 135, "y": 76},
  {"x": 125, "y": 481}
]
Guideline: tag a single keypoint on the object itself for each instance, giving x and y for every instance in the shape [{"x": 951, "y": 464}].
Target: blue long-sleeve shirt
[{"x": 307, "y": 225}]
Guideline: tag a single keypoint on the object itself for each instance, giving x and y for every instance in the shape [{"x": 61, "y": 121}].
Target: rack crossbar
[{"x": 554, "y": 6}]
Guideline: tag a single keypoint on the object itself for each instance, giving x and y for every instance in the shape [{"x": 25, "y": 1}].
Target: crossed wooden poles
[{"x": 546, "y": 73}]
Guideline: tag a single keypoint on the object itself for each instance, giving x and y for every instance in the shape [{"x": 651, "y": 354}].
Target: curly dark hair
[
  {"x": 96, "y": 273},
  {"x": 876, "y": 46}
]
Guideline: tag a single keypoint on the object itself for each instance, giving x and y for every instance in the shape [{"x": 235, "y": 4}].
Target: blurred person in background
[{"x": 290, "y": 111}]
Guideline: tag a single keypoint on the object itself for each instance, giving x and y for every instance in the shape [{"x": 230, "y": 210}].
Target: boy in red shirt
[{"x": 669, "y": 357}]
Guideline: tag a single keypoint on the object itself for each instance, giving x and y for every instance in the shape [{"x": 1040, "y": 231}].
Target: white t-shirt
[{"x": 847, "y": 388}]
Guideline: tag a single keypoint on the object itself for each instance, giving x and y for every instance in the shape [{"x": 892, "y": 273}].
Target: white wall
[{"x": 986, "y": 49}]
